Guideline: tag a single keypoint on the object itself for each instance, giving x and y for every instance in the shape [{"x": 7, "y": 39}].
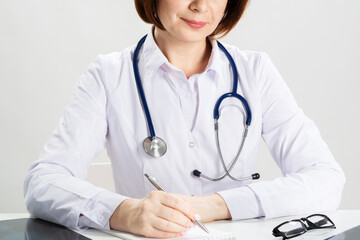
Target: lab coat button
[
  {"x": 191, "y": 144},
  {"x": 100, "y": 218}
]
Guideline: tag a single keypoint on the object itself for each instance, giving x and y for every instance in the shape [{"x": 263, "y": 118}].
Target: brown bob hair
[{"x": 233, "y": 12}]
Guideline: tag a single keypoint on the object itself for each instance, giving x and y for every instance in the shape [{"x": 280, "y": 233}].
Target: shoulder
[
  {"x": 115, "y": 60},
  {"x": 259, "y": 64},
  {"x": 109, "y": 68},
  {"x": 252, "y": 59}
]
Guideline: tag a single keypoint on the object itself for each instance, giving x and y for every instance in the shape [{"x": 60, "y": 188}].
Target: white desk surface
[{"x": 258, "y": 229}]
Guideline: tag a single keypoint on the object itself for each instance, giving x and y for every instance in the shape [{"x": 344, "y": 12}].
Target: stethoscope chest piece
[{"x": 154, "y": 146}]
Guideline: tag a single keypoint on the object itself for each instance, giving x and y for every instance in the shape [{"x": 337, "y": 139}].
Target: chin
[{"x": 193, "y": 36}]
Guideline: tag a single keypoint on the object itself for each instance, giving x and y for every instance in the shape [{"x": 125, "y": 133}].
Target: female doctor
[{"x": 164, "y": 90}]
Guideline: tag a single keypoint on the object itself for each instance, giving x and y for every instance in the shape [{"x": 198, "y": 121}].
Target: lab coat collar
[
  {"x": 152, "y": 59},
  {"x": 216, "y": 62}
]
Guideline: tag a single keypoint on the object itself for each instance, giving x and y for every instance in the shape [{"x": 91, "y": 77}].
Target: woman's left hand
[{"x": 210, "y": 208}]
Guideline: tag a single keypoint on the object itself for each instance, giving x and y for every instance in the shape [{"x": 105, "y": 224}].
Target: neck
[{"x": 190, "y": 57}]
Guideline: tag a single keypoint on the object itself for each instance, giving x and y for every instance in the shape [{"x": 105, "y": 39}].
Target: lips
[{"x": 194, "y": 24}]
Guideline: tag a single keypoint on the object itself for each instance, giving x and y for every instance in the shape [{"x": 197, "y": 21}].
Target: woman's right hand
[{"x": 158, "y": 215}]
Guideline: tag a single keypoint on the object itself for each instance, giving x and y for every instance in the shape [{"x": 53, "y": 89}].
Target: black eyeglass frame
[{"x": 311, "y": 225}]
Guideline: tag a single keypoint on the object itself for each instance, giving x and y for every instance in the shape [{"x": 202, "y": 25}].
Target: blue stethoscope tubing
[{"x": 156, "y": 147}]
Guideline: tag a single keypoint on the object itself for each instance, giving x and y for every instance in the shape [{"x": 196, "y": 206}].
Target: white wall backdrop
[{"x": 46, "y": 44}]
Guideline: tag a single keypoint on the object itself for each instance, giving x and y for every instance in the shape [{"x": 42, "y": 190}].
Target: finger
[
  {"x": 173, "y": 215},
  {"x": 168, "y": 226},
  {"x": 156, "y": 233},
  {"x": 147, "y": 225},
  {"x": 160, "y": 228},
  {"x": 179, "y": 204}
]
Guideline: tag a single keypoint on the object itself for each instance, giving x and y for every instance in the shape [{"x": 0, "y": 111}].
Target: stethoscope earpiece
[
  {"x": 196, "y": 173},
  {"x": 255, "y": 176}
]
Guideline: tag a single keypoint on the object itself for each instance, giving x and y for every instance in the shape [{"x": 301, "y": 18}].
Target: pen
[{"x": 159, "y": 187}]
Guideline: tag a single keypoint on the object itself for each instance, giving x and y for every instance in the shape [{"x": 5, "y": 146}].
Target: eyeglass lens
[
  {"x": 319, "y": 221},
  {"x": 293, "y": 228}
]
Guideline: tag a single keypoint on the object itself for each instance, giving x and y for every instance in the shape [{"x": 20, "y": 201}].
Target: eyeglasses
[{"x": 296, "y": 227}]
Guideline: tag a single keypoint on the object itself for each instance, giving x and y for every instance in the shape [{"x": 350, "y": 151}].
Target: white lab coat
[{"x": 106, "y": 111}]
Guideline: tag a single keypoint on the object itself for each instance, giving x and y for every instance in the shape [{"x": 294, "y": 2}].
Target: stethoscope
[{"x": 156, "y": 147}]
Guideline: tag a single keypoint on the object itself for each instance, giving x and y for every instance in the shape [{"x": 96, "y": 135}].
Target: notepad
[{"x": 194, "y": 233}]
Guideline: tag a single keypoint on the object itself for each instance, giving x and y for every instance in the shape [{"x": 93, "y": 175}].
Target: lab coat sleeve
[
  {"x": 312, "y": 180},
  {"x": 54, "y": 188}
]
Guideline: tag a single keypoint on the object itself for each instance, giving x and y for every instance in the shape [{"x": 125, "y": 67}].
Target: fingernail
[
  {"x": 188, "y": 229},
  {"x": 197, "y": 217},
  {"x": 183, "y": 233}
]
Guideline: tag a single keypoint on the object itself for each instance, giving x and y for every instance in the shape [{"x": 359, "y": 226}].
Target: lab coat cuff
[
  {"x": 98, "y": 210},
  {"x": 242, "y": 203}
]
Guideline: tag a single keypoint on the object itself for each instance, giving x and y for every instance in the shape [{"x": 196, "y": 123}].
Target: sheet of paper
[{"x": 194, "y": 233}]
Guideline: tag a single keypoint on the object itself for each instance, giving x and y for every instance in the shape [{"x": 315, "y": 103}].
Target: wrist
[
  {"x": 119, "y": 220},
  {"x": 221, "y": 210},
  {"x": 211, "y": 207}
]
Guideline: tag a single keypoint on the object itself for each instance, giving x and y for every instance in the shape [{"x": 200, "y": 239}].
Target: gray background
[{"x": 46, "y": 44}]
